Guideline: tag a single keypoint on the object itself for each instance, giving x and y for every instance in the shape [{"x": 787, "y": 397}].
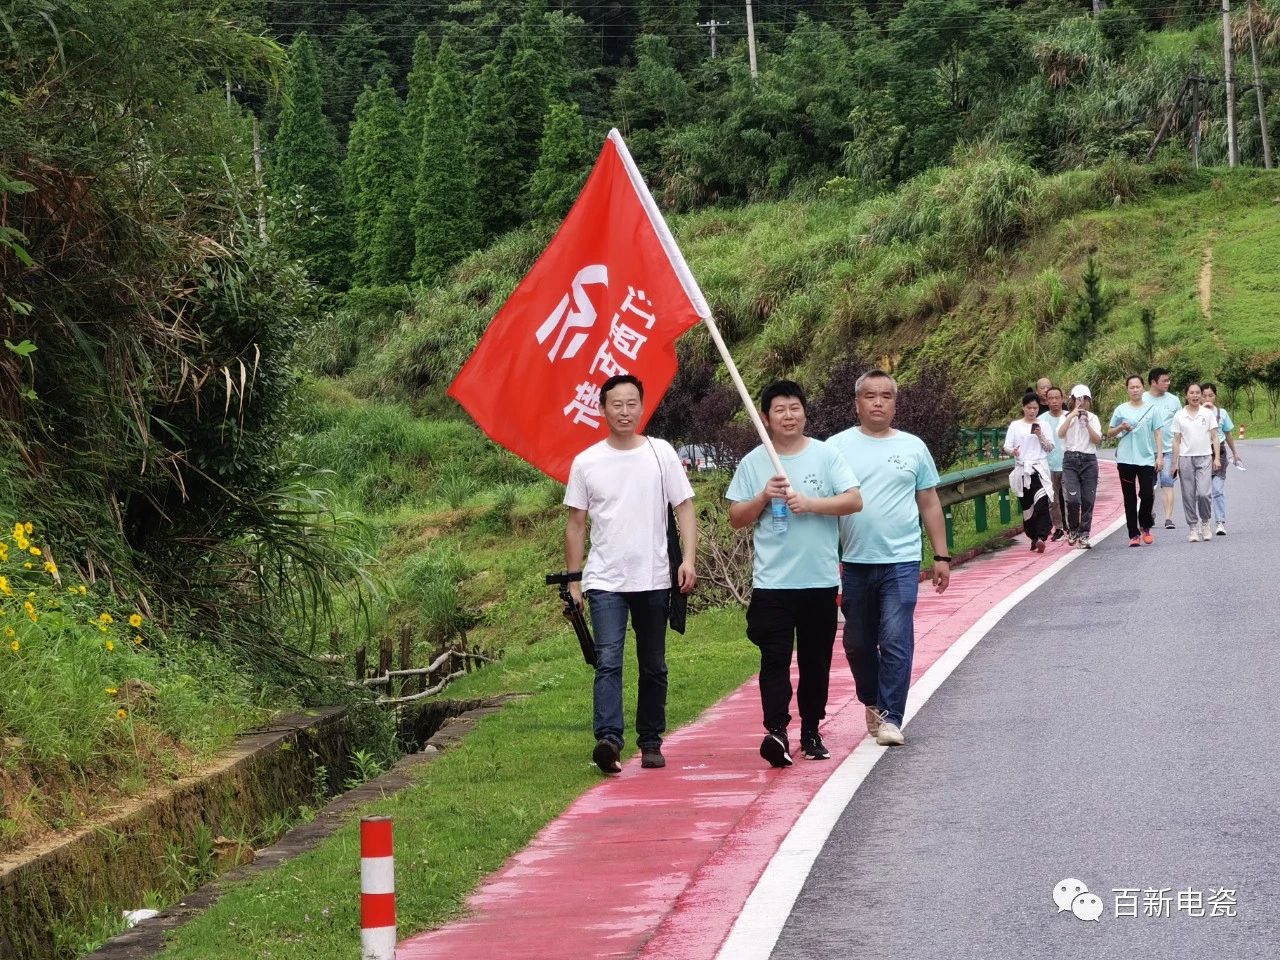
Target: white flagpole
[{"x": 693, "y": 291}]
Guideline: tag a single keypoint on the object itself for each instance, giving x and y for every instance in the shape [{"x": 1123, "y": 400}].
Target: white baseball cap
[{"x": 1080, "y": 390}]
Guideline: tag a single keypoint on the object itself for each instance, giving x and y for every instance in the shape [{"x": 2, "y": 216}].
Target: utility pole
[
  {"x": 1195, "y": 119},
  {"x": 711, "y": 25},
  {"x": 1229, "y": 64},
  {"x": 751, "y": 40},
  {"x": 1257, "y": 87},
  {"x": 259, "y": 188}
]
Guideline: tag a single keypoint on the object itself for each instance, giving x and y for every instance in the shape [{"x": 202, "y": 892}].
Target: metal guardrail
[
  {"x": 976, "y": 484},
  {"x": 983, "y": 443}
]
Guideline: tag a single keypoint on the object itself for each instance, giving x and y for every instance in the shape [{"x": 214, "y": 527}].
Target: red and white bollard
[
  {"x": 1240, "y": 431},
  {"x": 377, "y": 890}
]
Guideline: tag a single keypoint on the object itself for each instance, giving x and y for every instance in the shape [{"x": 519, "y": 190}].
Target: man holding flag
[
  {"x": 624, "y": 483},
  {"x": 607, "y": 299}
]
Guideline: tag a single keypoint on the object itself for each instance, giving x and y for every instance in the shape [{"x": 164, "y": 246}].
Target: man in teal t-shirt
[
  {"x": 1049, "y": 421},
  {"x": 880, "y": 559},
  {"x": 794, "y": 571},
  {"x": 1167, "y": 404}
]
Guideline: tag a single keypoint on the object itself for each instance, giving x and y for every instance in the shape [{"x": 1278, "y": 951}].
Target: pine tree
[
  {"x": 444, "y": 226},
  {"x": 358, "y": 62},
  {"x": 374, "y": 175},
  {"x": 310, "y": 220},
  {"x": 677, "y": 20},
  {"x": 495, "y": 154},
  {"x": 562, "y": 163},
  {"x": 420, "y": 78}
]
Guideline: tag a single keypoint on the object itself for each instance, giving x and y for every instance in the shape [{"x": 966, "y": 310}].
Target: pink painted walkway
[{"x": 658, "y": 864}]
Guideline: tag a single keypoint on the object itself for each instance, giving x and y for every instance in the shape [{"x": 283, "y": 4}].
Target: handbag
[{"x": 677, "y": 601}]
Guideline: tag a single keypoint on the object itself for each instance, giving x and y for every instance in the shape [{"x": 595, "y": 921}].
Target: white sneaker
[
  {"x": 1195, "y": 537},
  {"x": 1222, "y": 529},
  {"x": 874, "y": 719},
  {"x": 1085, "y": 544},
  {"x": 1204, "y": 531},
  {"x": 890, "y": 735}
]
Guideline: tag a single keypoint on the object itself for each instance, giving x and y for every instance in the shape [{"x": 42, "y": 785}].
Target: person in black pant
[
  {"x": 1138, "y": 459},
  {"x": 795, "y": 568}
]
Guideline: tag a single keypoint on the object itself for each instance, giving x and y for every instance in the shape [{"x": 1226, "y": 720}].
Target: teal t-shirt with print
[
  {"x": 1138, "y": 446},
  {"x": 806, "y": 554},
  {"x": 1050, "y": 424},
  {"x": 1167, "y": 404},
  {"x": 892, "y": 470}
]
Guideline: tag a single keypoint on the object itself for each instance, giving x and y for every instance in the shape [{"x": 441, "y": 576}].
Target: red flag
[{"x": 611, "y": 294}]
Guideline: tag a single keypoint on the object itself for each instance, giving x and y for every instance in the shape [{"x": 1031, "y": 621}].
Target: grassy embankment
[{"x": 467, "y": 531}]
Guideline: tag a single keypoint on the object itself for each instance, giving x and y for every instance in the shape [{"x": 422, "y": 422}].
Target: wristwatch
[{"x": 941, "y": 559}]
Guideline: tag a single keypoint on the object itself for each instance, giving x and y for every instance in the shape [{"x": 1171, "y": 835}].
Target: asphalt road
[{"x": 1120, "y": 727}]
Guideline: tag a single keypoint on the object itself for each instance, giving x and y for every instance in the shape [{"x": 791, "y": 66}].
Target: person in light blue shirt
[
  {"x": 794, "y": 571},
  {"x": 1226, "y": 430},
  {"x": 1138, "y": 458},
  {"x": 1049, "y": 423},
  {"x": 880, "y": 553},
  {"x": 1167, "y": 404}
]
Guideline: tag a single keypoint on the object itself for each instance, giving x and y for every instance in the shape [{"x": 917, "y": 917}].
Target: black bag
[{"x": 677, "y": 602}]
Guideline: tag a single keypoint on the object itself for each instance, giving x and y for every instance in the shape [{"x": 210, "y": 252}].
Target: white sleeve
[
  {"x": 675, "y": 481},
  {"x": 576, "y": 494}
]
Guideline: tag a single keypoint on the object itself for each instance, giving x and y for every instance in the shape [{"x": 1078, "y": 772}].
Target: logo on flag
[{"x": 611, "y": 294}]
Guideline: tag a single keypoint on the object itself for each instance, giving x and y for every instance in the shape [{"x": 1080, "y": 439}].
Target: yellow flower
[
  {"x": 34, "y": 551},
  {"x": 137, "y": 641},
  {"x": 22, "y": 542},
  {"x": 135, "y": 620},
  {"x": 8, "y": 632},
  {"x": 15, "y": 646},
  {"x": 28, "y": 528},
  {"x": 82, "y": 589},
  {"x": 31, "y": 610},
  {"x": 102, "y": 628},
  {"x": 50, "y": 567},
  {"x": 112, "y": 691},
  {"x": 110, "y": 646},
  {"x": 17, "y": 530},
  {"x": 5, "y": 588},
  {"x": 121, "y": 713},
  {"x": 71, "y": 589},
  {"x": 28, "y": 565},
  {"x": 106, "y": 618}
]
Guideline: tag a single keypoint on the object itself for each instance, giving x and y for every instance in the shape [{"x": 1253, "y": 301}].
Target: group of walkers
[
  {"x": 820, "y": 530},
  {"x": 1160, "y": 441}
]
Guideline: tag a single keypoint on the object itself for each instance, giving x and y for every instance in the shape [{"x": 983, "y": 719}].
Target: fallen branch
[{"x": 430, "y": 691}]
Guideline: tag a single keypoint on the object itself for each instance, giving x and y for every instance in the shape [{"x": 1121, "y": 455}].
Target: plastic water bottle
[{"x": 778, "y": 511}]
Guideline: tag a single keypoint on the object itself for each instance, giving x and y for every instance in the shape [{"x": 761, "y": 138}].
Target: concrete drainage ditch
[{"x": 111, "y": 864}]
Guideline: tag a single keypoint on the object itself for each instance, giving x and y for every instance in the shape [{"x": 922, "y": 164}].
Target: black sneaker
[
  {"x": 1058, "y": 535},
  {"x": 652, "y": 758},
  {"x": 776, "y": 749},
  {"x": 1170, "y": 525},
  {"x": 812, "y": 747},
  {"x": 607, "y": 756}
]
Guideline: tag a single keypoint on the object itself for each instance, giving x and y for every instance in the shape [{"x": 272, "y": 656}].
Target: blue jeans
[
  {"x": 879, "y": 604},
  {"x": 648, "y": 610}
]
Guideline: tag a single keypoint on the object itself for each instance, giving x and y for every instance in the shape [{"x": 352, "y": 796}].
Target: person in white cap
[{"x": 1080, "y": 433}]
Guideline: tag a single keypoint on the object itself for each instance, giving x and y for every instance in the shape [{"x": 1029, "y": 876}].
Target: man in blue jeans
[
  {"x": 880, "y": 556},
  {"x": 624, "y": 484}
]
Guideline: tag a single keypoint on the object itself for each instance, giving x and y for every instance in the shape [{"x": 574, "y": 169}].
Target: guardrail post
[
  {"x": 951, "y": 528},
  {"x": 1006, "y": 514},
  {"x": 980, "y": 514}
]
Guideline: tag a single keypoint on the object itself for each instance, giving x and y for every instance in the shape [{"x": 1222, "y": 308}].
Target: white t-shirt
[
  {"x": 625, "y": 493},
  {"x": 1194, "y": 430},
  {"x": 1078, "y": 439},
  {"x": 1025, "y": 445}
]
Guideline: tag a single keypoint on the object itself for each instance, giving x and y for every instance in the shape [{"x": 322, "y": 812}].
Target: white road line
[{"x": 756, "y": 931}]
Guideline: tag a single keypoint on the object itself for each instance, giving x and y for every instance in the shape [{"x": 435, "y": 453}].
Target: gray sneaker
[
  {"x": 1205, "y": 535},
  {"x": 890, "y": 735},
  {"x": 1084, "y": 543},
  {"x": 1222, "y": 530}
]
